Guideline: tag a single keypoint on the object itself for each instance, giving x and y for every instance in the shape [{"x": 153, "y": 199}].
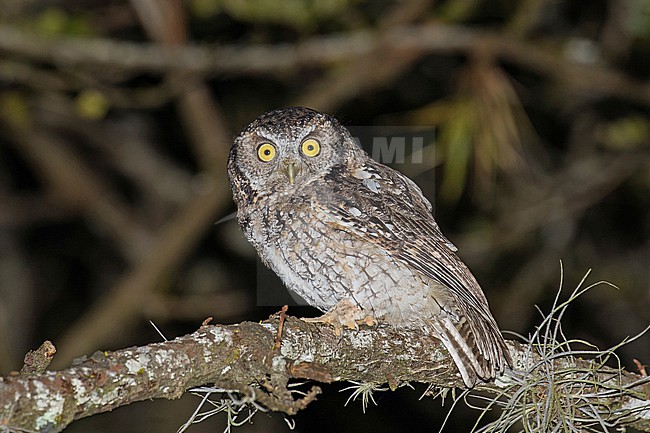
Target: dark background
[{"x": 116, "y": 118}]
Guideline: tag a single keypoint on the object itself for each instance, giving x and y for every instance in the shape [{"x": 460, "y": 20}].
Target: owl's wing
[{"x": 383, "y": 206}]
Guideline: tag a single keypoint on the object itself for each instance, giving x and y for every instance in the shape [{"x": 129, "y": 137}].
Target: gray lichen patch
[
  {"x": 49, "y": 404},
  {"x": 362, "y": 339},
  {"x": 297, "y": 347}
]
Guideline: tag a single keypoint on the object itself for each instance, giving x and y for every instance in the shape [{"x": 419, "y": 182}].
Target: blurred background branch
[{"x": 322, "y": 51}]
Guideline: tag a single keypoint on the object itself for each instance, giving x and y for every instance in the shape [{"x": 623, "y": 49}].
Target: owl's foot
[{"x": 344, "y": 314}]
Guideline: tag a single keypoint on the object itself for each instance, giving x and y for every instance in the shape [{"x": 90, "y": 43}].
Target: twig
[
  {"x": 282, "y": 318},
  {"x": 37, "y": 361}
]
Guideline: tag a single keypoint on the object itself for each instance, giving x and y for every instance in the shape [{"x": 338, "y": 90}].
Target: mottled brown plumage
[{"x": 336, "y": 225}]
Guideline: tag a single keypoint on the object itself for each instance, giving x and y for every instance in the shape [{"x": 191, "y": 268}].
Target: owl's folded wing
[{"x": 382, "y": 205}]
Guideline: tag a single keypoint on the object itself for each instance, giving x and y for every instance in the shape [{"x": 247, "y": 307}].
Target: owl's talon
[
  {"x": 344, "y": 314},
  {"x": 369, "y": 321}
]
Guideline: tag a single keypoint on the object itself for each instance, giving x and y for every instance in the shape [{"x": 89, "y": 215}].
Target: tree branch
[
  {"x": 241, "y": 358},
  {"x": 593, "y": 80}
]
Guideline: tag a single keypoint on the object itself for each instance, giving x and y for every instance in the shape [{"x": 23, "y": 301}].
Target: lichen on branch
[{"x": 243, "y": 360}]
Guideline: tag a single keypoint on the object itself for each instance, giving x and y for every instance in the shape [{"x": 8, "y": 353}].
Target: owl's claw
[{"x": 344, "y": 314}]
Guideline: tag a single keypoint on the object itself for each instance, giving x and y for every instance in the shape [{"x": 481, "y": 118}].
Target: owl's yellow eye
[
  {"x": 310, "y": 147},
  {"x": 266, "y": 152}
]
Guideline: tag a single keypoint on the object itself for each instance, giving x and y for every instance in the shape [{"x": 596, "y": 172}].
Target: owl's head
[{"x": 284, "y": 149}]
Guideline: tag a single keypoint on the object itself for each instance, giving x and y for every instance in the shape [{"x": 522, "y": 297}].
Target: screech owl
[{"x": 336, "y": 225}]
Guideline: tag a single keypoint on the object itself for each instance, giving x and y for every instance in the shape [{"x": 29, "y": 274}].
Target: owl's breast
[{"x": 325, "y": 262}]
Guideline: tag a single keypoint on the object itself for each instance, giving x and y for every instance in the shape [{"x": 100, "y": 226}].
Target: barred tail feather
[
  {"x": 477, "y": 353},
  {"x": 460, "y": 352}
]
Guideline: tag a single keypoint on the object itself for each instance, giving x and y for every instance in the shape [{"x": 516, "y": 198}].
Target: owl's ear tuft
[{"x": 354, "y": 149}]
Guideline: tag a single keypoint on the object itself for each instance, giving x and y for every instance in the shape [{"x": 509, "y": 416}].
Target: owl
[{"x": 342, "y": 229}]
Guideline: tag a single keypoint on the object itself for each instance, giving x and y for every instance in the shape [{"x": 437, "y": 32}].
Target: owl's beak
[{"x": 290, "y": 170}]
